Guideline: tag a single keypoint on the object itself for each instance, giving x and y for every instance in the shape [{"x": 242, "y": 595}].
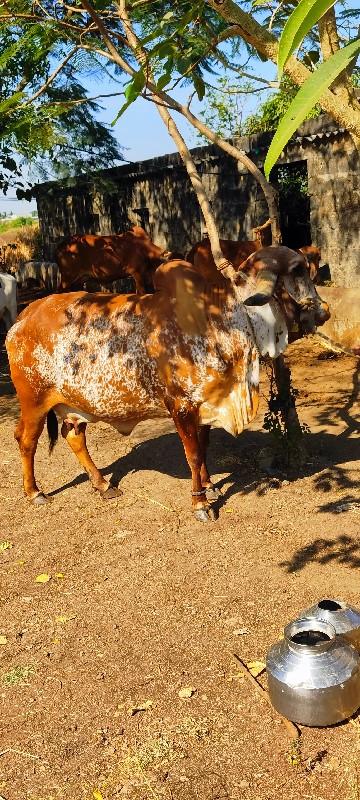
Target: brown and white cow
[
  {"x": 190, "y": 351},
  {"x": 105, "y": 259}
]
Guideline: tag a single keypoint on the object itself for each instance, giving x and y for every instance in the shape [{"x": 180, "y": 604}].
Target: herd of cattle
[{"x": 189, "y": 350}]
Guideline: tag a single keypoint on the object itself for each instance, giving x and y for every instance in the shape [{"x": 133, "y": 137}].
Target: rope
[{"x": 336, "y": 345}]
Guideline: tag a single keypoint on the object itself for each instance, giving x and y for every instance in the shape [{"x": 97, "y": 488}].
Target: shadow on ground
[
  {"x": 342, "y": 550},
  {"x": 239, "y": 459}
]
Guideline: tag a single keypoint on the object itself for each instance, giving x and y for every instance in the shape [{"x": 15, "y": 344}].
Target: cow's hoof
[
  {"x": 205, "y": 514},
  {"x": 212, "y": 493},
  {"x": 111, "y": 492},
  {"x": 41, "y": 499}
]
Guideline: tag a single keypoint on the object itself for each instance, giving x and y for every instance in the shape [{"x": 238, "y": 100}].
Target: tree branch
[
  {"x": 329, "y": 43},
  {"x": 195, "y": 179},
  {"x": 51, "y": 78}
]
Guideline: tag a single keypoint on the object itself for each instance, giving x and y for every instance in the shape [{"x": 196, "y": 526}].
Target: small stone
[{"x": 274, "y": 483}]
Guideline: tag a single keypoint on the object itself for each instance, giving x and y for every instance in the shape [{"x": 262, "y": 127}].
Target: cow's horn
[{"x": 265, "y": 286}]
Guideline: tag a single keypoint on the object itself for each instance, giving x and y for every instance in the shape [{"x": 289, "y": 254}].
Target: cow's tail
[{"x": 52, "y": 429}]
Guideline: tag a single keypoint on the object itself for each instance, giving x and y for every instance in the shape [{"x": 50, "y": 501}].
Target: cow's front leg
[
  {"x": 75, "y": 437},
  {"x": 186, "y": 424}
]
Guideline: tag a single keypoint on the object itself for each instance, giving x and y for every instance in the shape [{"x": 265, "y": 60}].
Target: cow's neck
[{"x": 267, "y": 325}]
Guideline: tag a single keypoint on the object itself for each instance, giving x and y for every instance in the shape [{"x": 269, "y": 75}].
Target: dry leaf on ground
[
  {"x": 188, "y": 691},
  {"x": 42, "y": 578},
  {"x": 6, "y": 546},
  {"x": 256, "y": 667},
  {"x": 3, "y": 640},
  {"x": 65, "y": 618}
]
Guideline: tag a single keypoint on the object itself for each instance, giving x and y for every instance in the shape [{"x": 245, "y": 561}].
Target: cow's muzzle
[{"x": 313, "y": 314}]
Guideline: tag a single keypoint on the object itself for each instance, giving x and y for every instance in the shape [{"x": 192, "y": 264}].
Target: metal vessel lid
[{"x": 312, "y": 636}]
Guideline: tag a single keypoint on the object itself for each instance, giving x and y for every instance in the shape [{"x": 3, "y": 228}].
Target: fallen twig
[
  {"x": 156, "y": 502},
  {"x": 21, "y": 753},
  {"x": 291, "y": 728}
]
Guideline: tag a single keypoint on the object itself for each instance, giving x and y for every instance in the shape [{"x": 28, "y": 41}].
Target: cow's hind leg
[
  {"x": 185, "y": 421},
  {"x": 27, "y": 433},
  {"x": 76, "y": 438},
  {"x": 212, "y": 492}
]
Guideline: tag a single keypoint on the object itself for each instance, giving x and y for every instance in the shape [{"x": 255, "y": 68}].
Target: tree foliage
[
  {"x": 224, "y": 107},
  {"x": 177, "y": 42},
  {"x": 53, "y": 130}
]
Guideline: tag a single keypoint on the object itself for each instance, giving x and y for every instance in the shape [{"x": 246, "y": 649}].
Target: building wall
[{"x": 157, "y": 195}]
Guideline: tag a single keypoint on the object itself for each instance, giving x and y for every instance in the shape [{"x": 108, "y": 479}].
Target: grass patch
[
  {"x": 18, "y": 222},
  {"x": 17, "y": 675}
]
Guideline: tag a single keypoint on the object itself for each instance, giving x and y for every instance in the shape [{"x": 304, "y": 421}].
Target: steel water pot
[
  {"x": 313, "y": 675},
  {"x": 344, "y": 618}
]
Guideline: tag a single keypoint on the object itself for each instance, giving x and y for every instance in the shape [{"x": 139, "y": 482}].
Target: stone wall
[{"x": 157, "y": 195}]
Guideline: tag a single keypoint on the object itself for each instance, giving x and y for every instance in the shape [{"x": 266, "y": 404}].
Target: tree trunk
[{"x": 221, "y": 262}]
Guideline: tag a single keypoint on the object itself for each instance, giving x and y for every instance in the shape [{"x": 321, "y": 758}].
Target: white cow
[{"x": 8, "y": 302}]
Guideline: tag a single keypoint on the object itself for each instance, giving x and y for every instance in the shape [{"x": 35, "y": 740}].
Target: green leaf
[
  {"x": 300, "y": 22},
  {"x": 184, "y": 63},
  {"x": 306, "y": 99},
  {"x": 164, "y": 49},
  {"x": 11, "y": 102},
  {"x": 199, "y": 85},
  {"x": 132, "y": 91},
  {"x": 163, "y": 80},
  {"x": 187, "y": 18},
  {"x": 122, "y": 109}
]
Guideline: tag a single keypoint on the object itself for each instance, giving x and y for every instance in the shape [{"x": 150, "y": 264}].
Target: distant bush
[{"x": 19, "y": 222}]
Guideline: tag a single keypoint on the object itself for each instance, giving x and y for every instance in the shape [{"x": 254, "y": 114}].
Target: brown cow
[
  {"x": 236, "y": 252},
  {"x": 107, "y": 258},
  {"x": 313, "y": 255},
  {"x": 190, "y": 351},
  {"x": 343, "y": 328}
]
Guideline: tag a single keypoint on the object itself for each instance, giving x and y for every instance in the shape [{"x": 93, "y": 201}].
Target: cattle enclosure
[
  {"x": 318, "y": 177},
  {"x": 143, "y": 601}
]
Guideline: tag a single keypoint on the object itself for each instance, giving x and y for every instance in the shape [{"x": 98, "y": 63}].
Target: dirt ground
[{"x": 144, "y": 601}]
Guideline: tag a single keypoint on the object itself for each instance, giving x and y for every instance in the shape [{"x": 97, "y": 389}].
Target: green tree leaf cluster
[{"x": 56, "y": 133}]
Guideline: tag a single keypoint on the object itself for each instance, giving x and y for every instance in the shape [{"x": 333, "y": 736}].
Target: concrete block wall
[{"x": 157, "y": 194}]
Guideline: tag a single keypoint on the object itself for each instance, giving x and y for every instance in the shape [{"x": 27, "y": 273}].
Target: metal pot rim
[{"x": 307, "y": 624}]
